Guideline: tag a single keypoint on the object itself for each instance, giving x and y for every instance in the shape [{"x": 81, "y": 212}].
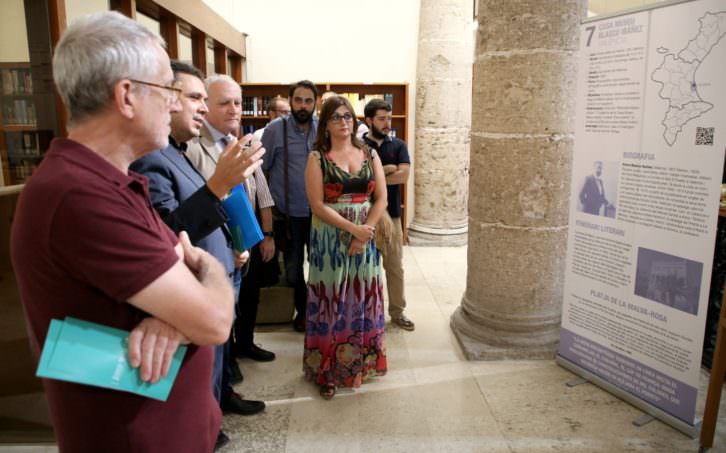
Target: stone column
[
  {"x": 443, "y": 122},
  {"x": 521, "y": 151}
]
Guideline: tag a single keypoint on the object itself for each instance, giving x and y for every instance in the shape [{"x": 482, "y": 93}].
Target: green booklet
[{"x": 93, "y": 354}]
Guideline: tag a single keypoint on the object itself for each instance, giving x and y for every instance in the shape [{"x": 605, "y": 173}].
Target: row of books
[
  {"x": 251, "y": 128},
  {"x": 359, "y": 101},
  {"x": 27, "y": 144},
  {"x": 18, "y": 111},
  {"x": 16, "y": 81},
  {"x": 259, "y": 105},
  {"x": 256, "y": 105},
  {"x": 22, "y": 171}
]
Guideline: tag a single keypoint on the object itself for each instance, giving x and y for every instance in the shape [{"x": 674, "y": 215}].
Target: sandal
[{"x": 327, "y": 391}]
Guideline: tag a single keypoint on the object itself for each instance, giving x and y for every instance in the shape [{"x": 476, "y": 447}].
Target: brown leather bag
[{"x": 384, "y": 230}]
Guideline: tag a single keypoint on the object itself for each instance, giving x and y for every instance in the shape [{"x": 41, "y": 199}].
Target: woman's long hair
[{"x": 322, "y": 139}]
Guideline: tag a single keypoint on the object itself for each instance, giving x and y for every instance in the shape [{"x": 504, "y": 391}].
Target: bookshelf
[
  {"x": 22, "y": 143},
  {"x": 256, "y": 96}
]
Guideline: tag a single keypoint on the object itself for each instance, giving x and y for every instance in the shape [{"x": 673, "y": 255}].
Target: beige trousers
[{"x": 392, "y": 253}]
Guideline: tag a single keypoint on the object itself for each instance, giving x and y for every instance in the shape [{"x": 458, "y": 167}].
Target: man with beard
[
  {"x": 188, "y": 201},
  {"x": 396, "y": 165},
  {"x": 288, "y": 142}
]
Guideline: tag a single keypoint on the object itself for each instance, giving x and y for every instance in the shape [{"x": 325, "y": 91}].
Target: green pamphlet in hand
[{"x": 93, "y": 354}]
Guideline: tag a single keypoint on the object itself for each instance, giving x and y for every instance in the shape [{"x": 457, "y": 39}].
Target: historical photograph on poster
[
  {"x": 599, "y": 189},
  {"x": 669, "y": 280}
]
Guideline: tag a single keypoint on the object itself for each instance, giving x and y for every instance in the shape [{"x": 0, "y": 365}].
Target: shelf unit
[
  {"x": 22, "y": 142},
  {"x": 398, "y": 92}
]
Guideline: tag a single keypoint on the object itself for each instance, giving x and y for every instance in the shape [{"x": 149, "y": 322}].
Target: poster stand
[
  {"x": 690, "y": 430},
  {"x": 642, "y": 208},
  {"x": 715, "y": 384}
]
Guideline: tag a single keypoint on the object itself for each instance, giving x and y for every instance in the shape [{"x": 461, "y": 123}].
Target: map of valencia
[{"x": 677, "y": 75}]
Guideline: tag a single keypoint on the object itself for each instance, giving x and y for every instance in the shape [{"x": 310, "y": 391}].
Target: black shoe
[
  {"x": 222, "y": 440},
  {"x": 236, "y": 377},
  {"x": 299, "y": 324},
  {"x": 255, "y": 352},
  {"x": 236, "y": 405}
]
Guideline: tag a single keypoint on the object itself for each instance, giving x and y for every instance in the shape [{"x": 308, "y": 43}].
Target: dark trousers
[
  {"x": 222, "y": 371},
  {"x": 249, "y": 300},
  {"x": 294, "y": 258}
]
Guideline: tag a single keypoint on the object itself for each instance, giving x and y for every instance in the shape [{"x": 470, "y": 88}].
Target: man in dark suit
[
  {"x": 592, "y": 194},
  {"x": 188, "y": 202}
]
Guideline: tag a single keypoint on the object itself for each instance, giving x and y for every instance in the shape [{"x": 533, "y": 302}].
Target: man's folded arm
[{"x": 197, "y": 302}]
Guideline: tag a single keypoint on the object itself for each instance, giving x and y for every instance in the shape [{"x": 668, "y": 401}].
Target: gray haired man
[{"x": 87, "y": 243}]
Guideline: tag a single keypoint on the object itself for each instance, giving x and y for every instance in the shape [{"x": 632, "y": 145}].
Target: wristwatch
[{"x": 268, "y": 234}]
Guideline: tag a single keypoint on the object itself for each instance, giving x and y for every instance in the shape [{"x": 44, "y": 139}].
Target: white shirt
[{"x": 256, "y": 187}]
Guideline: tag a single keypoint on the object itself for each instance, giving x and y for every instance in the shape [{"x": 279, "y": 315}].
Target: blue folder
[
  {"x": 93, "y": 354},
  {"x": 246, "y": 232}
]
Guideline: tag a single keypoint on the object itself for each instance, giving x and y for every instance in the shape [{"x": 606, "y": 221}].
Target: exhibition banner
[{"x": 649, "y": 151}]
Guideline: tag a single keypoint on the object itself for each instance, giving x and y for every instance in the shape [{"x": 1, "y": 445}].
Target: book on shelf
[
  {"x": 21, "y": 111},
  {"x": 16, "y": 81},
  {"x": 18, "y": 111},
  {"x": 30, "y": 144},
  {"x": 7, "y": 80},
  {"x": 255, "y": 105},
  {"x": 388, "y": 97},
  {"x": 359, "y": 101},
  {"x": 354, "y": 99},
  {"x": 27, "y": 144},
  {"x": 23, "y": 171}
]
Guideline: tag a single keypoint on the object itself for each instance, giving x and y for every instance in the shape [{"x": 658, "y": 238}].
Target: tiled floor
[{"x": 432, "y": 399}]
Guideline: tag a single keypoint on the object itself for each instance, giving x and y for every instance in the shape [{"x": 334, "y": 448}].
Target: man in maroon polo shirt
[{"x": 87, "y": 243}]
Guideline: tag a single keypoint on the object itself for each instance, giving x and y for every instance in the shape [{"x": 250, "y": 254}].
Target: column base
[
  {"x": 422, "y": 236},
  {"x": 477, "y": 349}
]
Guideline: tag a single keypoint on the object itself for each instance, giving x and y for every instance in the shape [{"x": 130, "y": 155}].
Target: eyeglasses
[
  {"x": 335, "y": 118},
  {"x": 171, "y": 92}
]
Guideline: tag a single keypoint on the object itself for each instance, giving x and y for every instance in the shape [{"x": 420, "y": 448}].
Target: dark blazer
[
  {"x": 181, "y": 197},
  {"x": 590, "y": 196}
]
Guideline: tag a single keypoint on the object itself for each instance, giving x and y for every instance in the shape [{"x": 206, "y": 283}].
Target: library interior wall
[
  {"x": 330, "y": 41},
  {"x": 13, "y": 36},
  {"x": 77, "y": 8}
]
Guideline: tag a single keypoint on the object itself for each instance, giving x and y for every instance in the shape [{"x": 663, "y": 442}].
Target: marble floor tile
[{"x": 433, "y": 399}]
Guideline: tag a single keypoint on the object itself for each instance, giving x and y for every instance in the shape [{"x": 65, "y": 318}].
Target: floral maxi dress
[{"x": 344, "y": 341}]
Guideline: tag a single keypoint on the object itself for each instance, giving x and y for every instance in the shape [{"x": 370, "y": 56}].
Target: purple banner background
[{"x": 660, "y": 390}]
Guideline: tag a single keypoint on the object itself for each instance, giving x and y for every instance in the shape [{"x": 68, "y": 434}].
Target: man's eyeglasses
[
  {"x": 335, "y": 118},
  {"x": 171, "y": 92}
]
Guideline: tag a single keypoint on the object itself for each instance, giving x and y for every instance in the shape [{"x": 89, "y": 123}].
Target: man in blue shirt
[
  {"x": 396, "y": 165},
  {"x": 288, "y": 142}
]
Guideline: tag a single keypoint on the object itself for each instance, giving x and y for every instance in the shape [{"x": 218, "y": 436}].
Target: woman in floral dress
[{"x": 344, "y": 342}]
